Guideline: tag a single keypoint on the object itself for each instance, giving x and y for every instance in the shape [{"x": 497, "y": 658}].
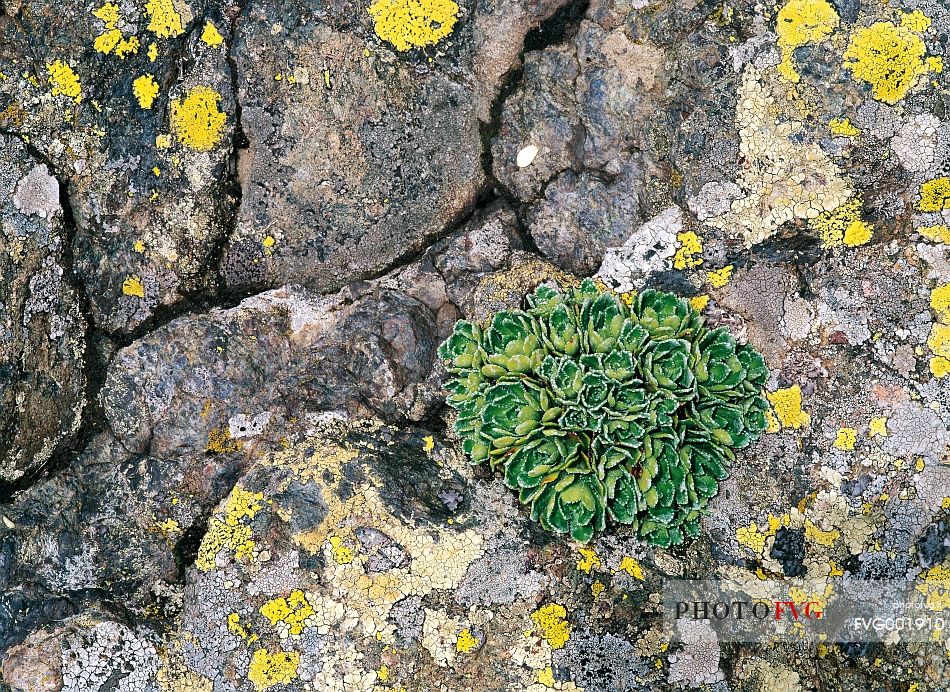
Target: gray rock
[{"x": 42, "y": 331}]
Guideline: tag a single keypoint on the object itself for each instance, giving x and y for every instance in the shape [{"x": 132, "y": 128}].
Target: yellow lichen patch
[
  {"x": 196, "y": 120},
  {"x": 229, "y": 528},
  {"x": 916, "y": 21},
  {"x": 939, "y": 340},
  {"x": 428, "y": 444},
  {"x": 268, "y": 669},
  {"x": 211, "y": 36},
  {"x": 842, "y": 127},
  {"x": 152, "y": 52},
  {"x": 846, "y": 439},
  {"x": 551, "y": 624},
  {"x": 773, "y": 426},
  {"x": 934, "y": 195},
  {"x": 107, "y": 41},
  {"x": 168, "y": 528},
  {"x": 465, "y": 642},
  {"x": 236, "y": 628},
  {"x": 163, "y": 19},
  {"x": 800, "y": 22},
  {"x": 939, "y": 366},
  {"x": 877, "y": 427},
  {"x": 825, "y": 538},
  {"x": 632, "y": 567},
  {"x": 145, "y": 89},
  {"x": 383, "y": 673},
  {"x": 938, "y": 234},
  {"x": 588, "y": 560},
  {"x": 787, "y": 404},
  {"x": 751, "y": 537},
  {"x": 408, "y": 24},
  {"x": 132, "y": 286},
  {"x": 719, "y": 277},
  {"x": 690, "y": 246},
  {"x": 292, "y": 614},
  {"x": 940, "y": 302},
  {"x": 888, "y": 57},
  {"x": 342, "y": 555},
  {"x": 597, "y": 588},
  {"x": 220, "y": 441},
  {"x": 699, "y": 303},
  {"x": 546, "y": 676},
  {"x": 64, "y": 81},
  {"x": 842, "y": 226},
  {"x": 936, "y": 588}
]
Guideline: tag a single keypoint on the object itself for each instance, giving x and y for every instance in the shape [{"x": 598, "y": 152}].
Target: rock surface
[{"x": 233, "y": 234}]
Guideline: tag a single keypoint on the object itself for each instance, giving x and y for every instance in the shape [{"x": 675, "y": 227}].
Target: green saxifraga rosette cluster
[{"x": 596, "y": 409}]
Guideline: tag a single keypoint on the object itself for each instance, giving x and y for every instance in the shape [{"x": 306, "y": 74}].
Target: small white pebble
[
  {"x": 8, "y": 522},
  {"x": 526, "y": 156}
]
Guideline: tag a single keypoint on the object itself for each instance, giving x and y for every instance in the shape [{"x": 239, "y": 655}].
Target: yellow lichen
[
  {"x": 842, "y": 127},
  {"x": 408, "y": 24},
  {"x": 888, "y": 57},
  {"x": 690, "y": 245},
  {"x": 211, "y": 36},
  {"x": 939, "y": 340},
  {"x": 842, "y": 225},
  {"x": 699, "y": 302},
  {"x": 936, "y": 588},
  {"x": 107, "y": 41},
  {"x": 342, "y": 555},
  {"x": 940, "y": 302},
  {"x": 825, "y": 538},
  {"x": 236, "y": 628},
  {"x": 939, "y": 366},
  {"x": 588, "y": 560},
  {"x": 938, "y": 234},
  {"x": 64, "y": 81},
  {"x": 220, "y": 441},
  {"x": 552, "y": 625},
  {"x": 268, "y": 669},
  {"x": 787, "y": 404},
  {"x": 800, "y": 22},
  {"x": 163, "y": 19},
  {"x": 719, "y": 277},
  {"x": 152, "y": 52},
  {"x": 546, "y": 676},
  {"x": 292, "y": 612},
  {"x": 428, "y": 444},
  {"x": 632, "y": 567},
  {"x": 934, "y": 195},
  {"x": 229, "y": 529},
  {"x": 597, "y": 588},
  {"x": 465, "y": 642},
  {"x": 877, "y": 427},
  {"x": 145, "y": 89},
  {"x": 751, "y": 537},
  {"x": 196, "y": 120},
  {"x": 916, "y": 21},
  {"x": 846, "y": 439},
  {"x": 132, "y": 286}
]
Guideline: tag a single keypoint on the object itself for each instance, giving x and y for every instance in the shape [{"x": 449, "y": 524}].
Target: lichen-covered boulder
[{"x": 42, "y": 329}]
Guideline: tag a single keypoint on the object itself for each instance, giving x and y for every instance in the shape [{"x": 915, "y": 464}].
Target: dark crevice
[
  {"x": 91, "y": 418},
  {"x": 559, "y": 27}
]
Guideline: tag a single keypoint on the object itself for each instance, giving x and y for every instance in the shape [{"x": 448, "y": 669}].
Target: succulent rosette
[{"x": 596, "y": 409}]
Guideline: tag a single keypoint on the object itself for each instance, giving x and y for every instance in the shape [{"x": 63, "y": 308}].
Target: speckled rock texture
[
  {"x": 234, "y": 233},
  {"x": 42, "y": 330}
]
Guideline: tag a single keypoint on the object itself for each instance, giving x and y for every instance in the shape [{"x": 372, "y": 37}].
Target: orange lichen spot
[
  {"x": 550, "y": 621},
  {"x": 269, "y": 669},
  {"x": 935, "y": 195},
  {"x": 408, "y": 24},
  {"x": 163, "y": 19},
  {"x": 196, "y": 120},
  {"x": 145, "y": 89},
  {"x": 64, "y": 81},
  {"x": 133, "y": 286}
]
